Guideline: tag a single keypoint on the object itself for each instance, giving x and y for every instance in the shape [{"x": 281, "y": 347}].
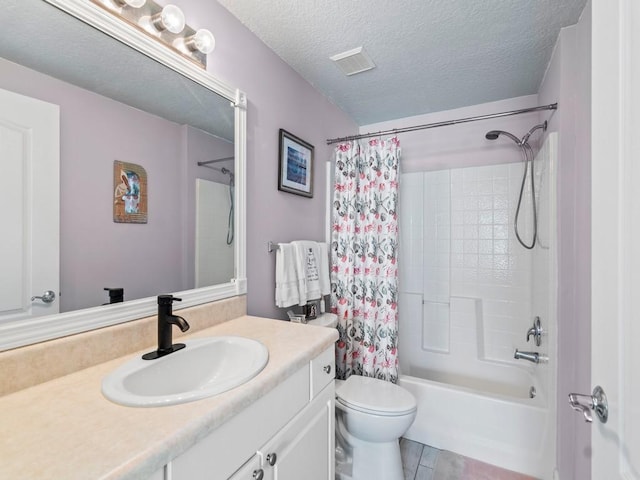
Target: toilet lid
[{"x": 375, "y": 396}]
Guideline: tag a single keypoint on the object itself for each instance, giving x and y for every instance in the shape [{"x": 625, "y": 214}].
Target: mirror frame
[{"x": 26, "y": 332}]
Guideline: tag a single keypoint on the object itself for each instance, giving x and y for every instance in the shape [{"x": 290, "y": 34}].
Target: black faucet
[{"x": 166, "y": 318}]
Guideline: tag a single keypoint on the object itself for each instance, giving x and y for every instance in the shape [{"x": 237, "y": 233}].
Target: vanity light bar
[{"x": 166, "y": 24}]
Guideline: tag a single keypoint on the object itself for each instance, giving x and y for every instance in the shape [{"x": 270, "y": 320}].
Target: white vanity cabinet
[{"x": 288, "y": 434}]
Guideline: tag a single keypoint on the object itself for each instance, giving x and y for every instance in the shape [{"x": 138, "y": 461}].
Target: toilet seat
[{"x": 376, "y": 397}]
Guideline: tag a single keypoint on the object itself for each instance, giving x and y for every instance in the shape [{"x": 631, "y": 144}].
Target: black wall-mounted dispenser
[{"x": 116, "y": 295}]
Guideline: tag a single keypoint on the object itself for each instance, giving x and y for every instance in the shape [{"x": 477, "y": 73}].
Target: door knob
[
  {"x": 47, "y": 297},
  {"x": 271, "y": 459},
  {"x": 585, "y": 403}
]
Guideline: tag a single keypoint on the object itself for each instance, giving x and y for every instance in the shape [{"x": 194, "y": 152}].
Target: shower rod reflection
[
  {"x": 223, "y": 170},
  {"x": 203, "y": 164},
  {"x": 551, "y": 106}
]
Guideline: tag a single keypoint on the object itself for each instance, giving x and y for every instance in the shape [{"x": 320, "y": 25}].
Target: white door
[
  {"x": 29, "y": 198},
  {"x": 616, "y": 236}
]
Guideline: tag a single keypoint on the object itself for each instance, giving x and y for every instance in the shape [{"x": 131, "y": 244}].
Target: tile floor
[{"x": 422, "y": 462}]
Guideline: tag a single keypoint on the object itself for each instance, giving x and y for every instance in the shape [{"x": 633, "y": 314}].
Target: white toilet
[{"x": 371, "y": 416}]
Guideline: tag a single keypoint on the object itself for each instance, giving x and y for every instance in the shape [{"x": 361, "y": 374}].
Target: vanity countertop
[{"x": 66, "y": 429}]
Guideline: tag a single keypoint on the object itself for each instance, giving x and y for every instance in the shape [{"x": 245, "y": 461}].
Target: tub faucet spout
[{"x": 531, "y": 356}]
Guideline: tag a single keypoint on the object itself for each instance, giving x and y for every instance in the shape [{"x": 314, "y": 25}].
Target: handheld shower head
[
  {"x": 494, "y": 134},
  {"x": 527, "y": 156}
]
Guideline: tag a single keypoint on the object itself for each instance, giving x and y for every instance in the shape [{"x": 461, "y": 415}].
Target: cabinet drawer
[
  {"x": 304, "y": 449},
  {"x": 322, "y": 370}
]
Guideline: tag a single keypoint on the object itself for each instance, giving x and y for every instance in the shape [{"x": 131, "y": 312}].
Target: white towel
[
  {"x": 287, "y": 281},
  {"x": 313, "y": 263},
  {"x": 307, "y": 265}
]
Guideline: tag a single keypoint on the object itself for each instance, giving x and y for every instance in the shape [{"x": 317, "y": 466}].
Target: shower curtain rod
[{"x": 551, "y": 106}]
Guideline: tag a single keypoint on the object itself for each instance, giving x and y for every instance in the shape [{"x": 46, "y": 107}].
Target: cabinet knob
[
  {"x": 327, "y": 369},
  {"x": 271, "y": 459},
  {"x": 258, "y": 474}
]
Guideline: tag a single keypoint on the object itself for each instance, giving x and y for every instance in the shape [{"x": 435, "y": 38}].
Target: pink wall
[
  {"x": 567, "y": 81},
  {"x": 125, "y": 255},
  {"x": 278, "y": 98},
  {"x": 95, "y": 252},
  {"x": 462, "y": 145}
]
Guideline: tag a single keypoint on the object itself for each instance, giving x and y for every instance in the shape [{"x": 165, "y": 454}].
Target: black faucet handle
[{"x": 167, "y": 299}]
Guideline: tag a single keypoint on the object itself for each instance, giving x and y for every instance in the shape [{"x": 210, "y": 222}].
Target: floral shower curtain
[{"x": 364, "y": 247}]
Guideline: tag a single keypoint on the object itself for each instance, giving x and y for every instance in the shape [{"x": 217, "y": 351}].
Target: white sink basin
[{"x": 205, "y": 367}]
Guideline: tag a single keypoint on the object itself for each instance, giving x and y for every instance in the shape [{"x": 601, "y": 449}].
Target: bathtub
[
  {"x": 492, "y": 421},
  {"x": 464, "y": 309}
]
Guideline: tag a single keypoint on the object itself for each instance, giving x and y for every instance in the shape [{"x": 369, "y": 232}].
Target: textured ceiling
[{"x": 431, "y": 55}]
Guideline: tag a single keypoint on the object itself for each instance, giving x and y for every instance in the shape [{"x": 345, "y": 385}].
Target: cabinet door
[
  {"x": 220, "y": 454},
  {"x": 304, "y": 449},
  {"x": 323, "y": 369}
]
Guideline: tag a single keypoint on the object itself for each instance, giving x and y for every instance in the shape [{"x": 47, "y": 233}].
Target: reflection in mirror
[{"x": 116, "y": 104}]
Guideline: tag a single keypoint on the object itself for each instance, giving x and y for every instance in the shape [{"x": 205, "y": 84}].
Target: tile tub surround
[
  {"x": 27, "y": 366},
  {"x": 66, "y": 429}
]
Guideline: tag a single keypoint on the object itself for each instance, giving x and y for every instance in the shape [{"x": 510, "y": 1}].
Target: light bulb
[
  {"x": 131, "y": 3},
  {"x": 170, "y": 18},
  {"x": 203, "y": 41}
]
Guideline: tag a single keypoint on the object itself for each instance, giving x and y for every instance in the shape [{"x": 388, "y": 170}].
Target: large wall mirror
[{"x": 105, "y": 97}]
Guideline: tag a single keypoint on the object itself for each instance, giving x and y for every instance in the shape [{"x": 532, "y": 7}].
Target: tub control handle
[
  {"x": 536, "y": 331},
  {"x": 585, "y": 403}
]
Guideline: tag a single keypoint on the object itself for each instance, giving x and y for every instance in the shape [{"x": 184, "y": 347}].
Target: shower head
[{"x": 494, "y": 134}]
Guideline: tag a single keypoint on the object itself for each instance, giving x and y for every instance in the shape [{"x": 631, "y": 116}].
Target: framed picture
[
  {"x": 129, "y": 193},
  {"x": 312, "y": 309},
  {"x": 296, "y": 165}
]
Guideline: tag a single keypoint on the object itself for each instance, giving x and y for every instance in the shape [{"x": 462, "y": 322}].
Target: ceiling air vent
[{"x": 353, "y": 61}]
